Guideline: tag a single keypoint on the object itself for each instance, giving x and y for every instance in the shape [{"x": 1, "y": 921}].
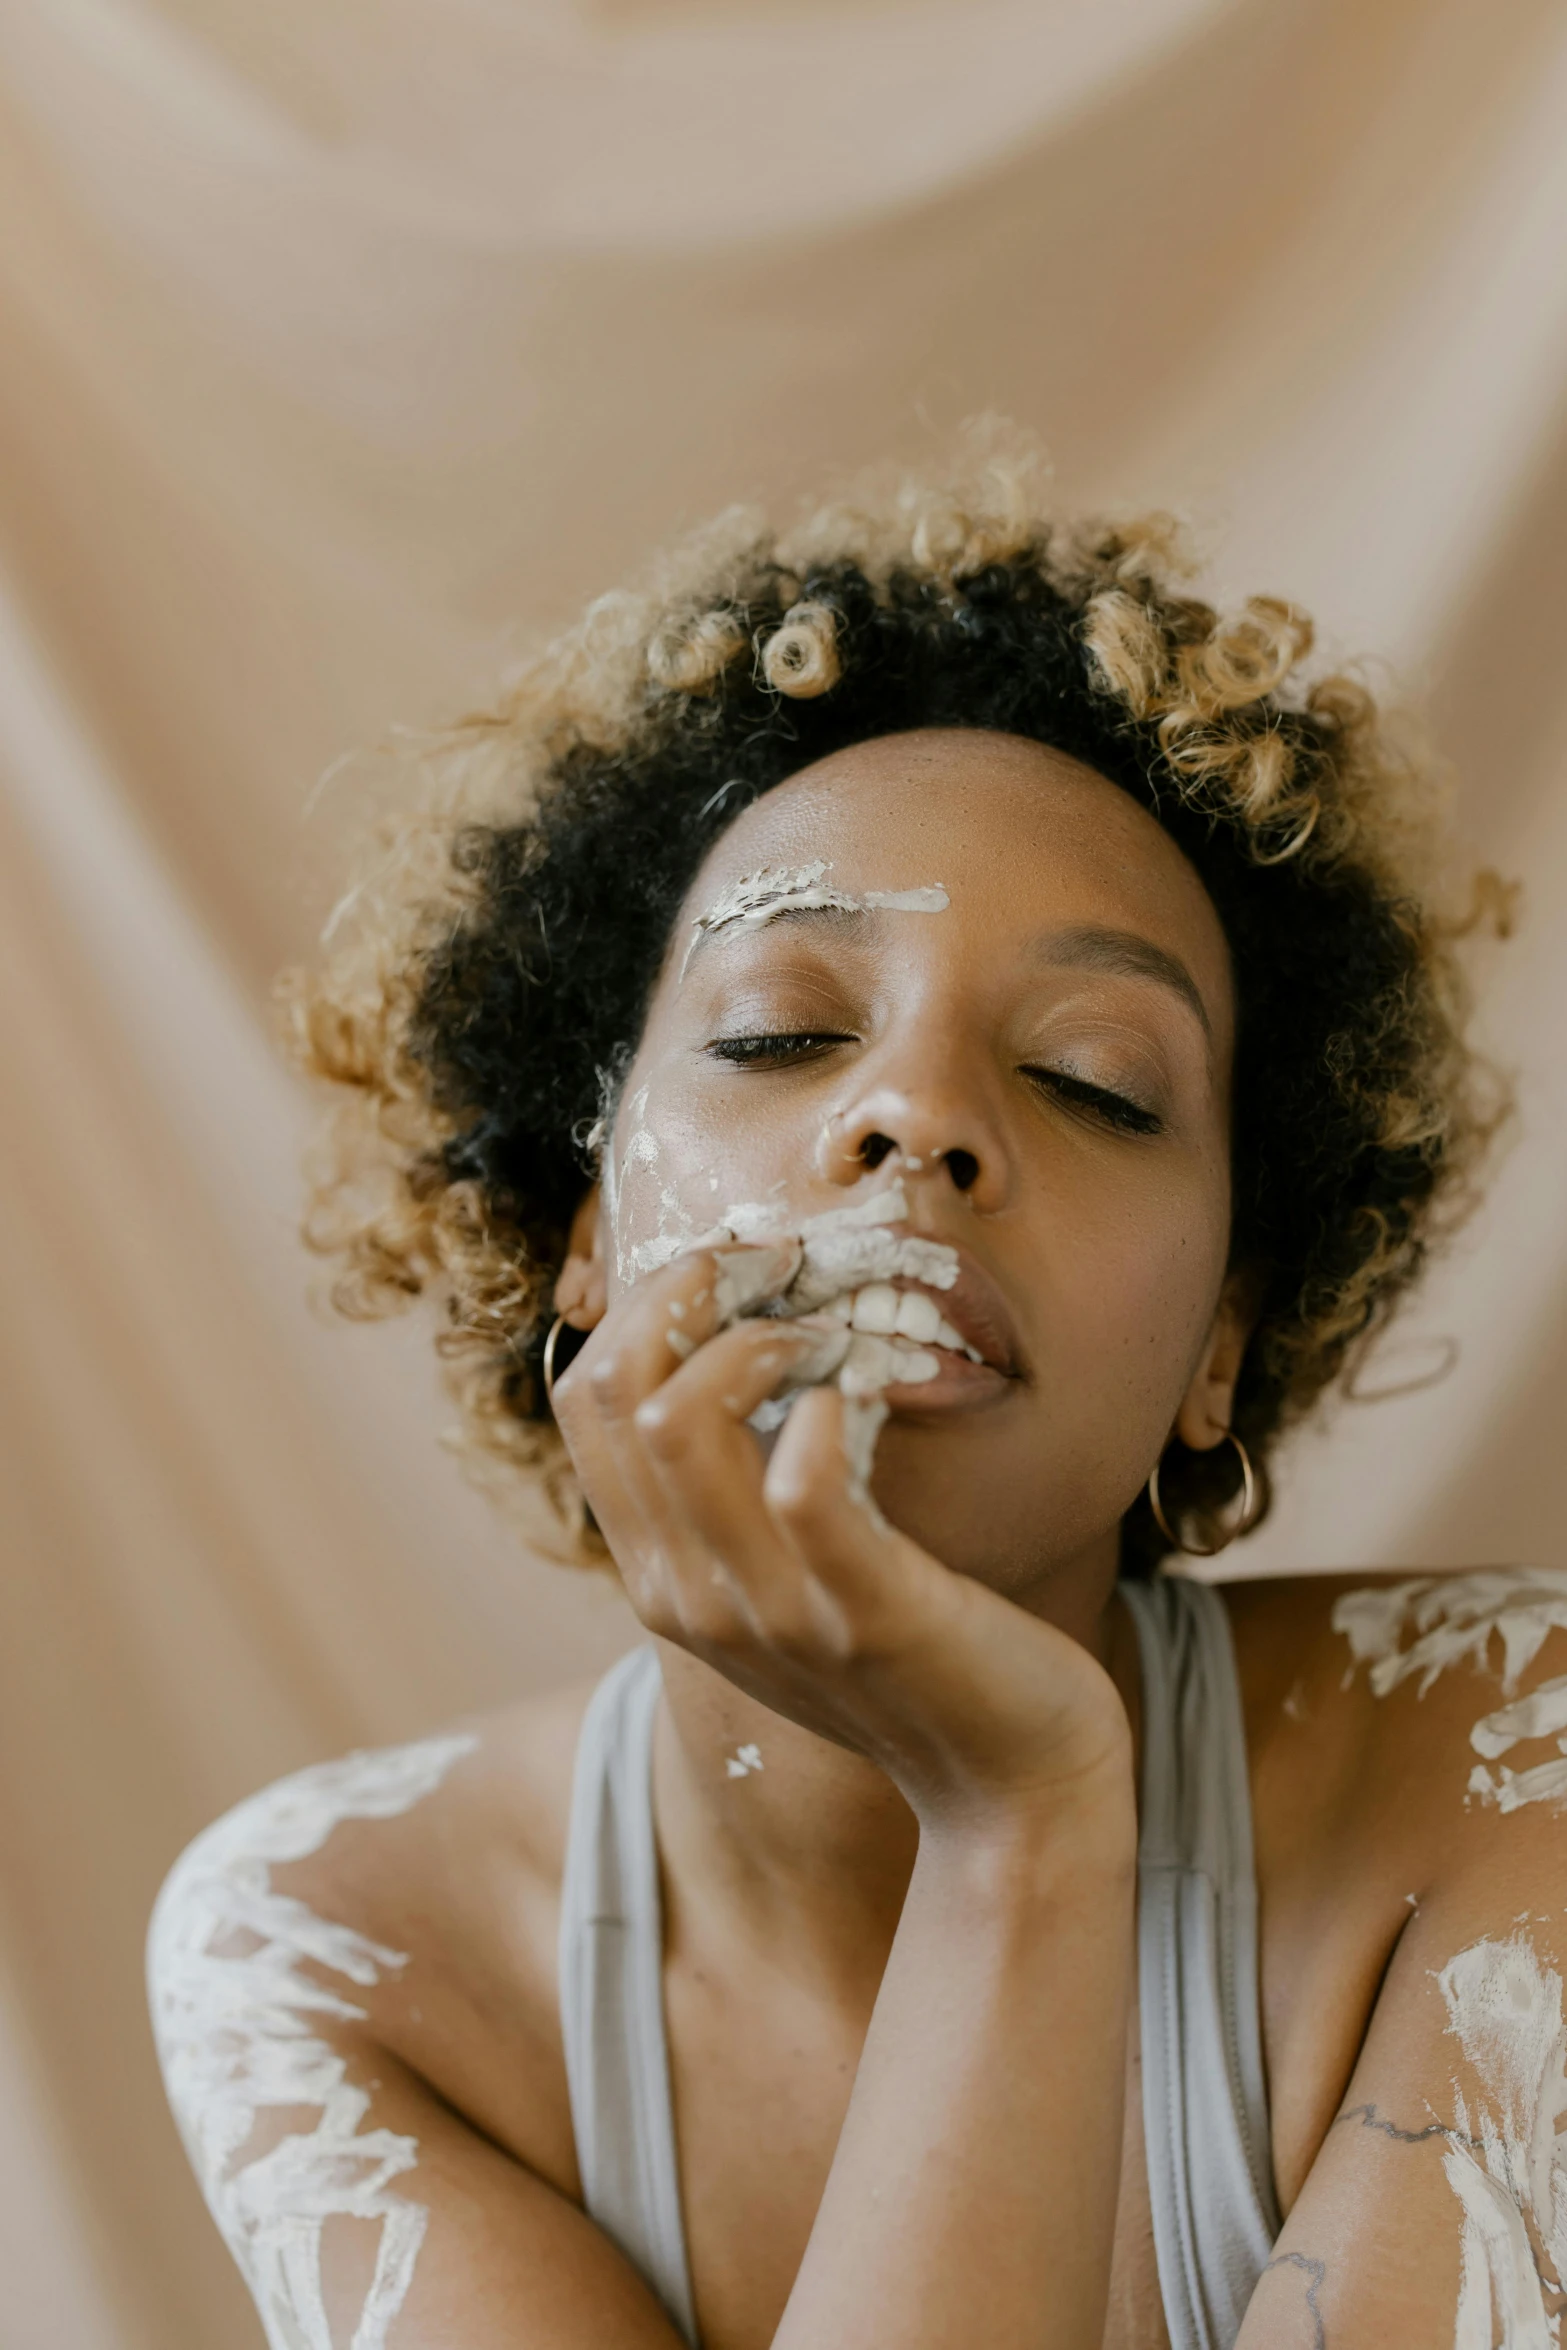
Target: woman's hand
[{"x": 782, "y": 1579}]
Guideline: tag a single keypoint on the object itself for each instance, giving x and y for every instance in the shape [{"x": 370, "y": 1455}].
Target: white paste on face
[
  {"x": 231, "y": 2005},
  {"x": 1453, "y": 1617},
  {"x": 1506, "y": 2160},
  {"x": 844, "y": 1249},
  {"x": 638, "y": 1195},
  {"x": 760, "y": 897},
  {"x": 844, "y": 1254}
]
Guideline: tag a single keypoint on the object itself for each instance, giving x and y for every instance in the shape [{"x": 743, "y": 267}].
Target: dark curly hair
[{"x": 502, "y": 963}]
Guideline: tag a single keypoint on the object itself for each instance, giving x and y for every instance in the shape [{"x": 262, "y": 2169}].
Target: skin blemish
[
  {"x": 760, "y": 897},
  {"x": 743, "y": 1761},
  {"x": 231, "y": 2009}
]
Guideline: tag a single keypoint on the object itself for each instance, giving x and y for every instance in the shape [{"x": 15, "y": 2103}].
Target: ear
[
  {"x": 581, "y": 1292},
  {"x": 1208, "y": 1405}
]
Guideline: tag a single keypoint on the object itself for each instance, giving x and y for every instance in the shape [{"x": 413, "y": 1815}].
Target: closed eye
[
  {"x": 1114, "y": 1109},
  {"x": 776, "y": 1049}
]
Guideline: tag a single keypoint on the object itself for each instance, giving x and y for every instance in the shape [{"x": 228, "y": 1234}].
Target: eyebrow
[
  {"x": 704, "y": 935},
  {"x": 1124, "y": 955}
]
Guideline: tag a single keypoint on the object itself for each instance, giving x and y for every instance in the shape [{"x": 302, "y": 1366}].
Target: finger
[
  {"x": 705, "y": 1456},
  {"x": 640, "y": 1343},
  {"x": 814, "y": 1492},
  {"x": 638, "y": 1348},
  {"x": 660, "y": 1322}
]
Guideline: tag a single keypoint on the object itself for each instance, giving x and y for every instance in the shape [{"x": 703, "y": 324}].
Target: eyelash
[
  {"x": 1125, "y": 1116},
  {"x": 755, "y": 1052},
  {"x": 752, "y": 1052}
]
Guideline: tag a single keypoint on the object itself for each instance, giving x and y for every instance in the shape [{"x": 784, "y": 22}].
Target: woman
[{"x": 956, "y": 1028}]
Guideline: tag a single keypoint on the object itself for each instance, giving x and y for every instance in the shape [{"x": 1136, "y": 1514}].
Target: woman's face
[{"x": 1044, "y": 1064}]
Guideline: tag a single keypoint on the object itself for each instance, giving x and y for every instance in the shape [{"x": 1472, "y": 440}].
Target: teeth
[
  {"x": 947, "y": 1336},
  {"x": 874, "y": 1362},
  {"x": 880, "y": 1311},
  {"x": 876, "y": 1309},
  {"x": 919, "y": 1316}
]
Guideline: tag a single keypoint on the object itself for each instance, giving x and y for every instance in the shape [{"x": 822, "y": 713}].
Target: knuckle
[
  {"x": 654, "y": 1596},
  {"x": 709, "y": 1619},
  {"x": 801, "y": 1500},
  {"x": 612, "y": 1385},
  {"x": 792, "y": 1631},
  {"x": 662, "y": 1427},
  {"x": 659, "y": 1615}
]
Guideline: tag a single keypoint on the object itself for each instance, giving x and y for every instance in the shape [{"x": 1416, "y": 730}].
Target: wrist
[{"x": 1082, "y": 1831}]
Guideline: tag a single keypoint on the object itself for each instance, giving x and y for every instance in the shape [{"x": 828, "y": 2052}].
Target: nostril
[
  {"x": 963, "y": 1167},
  {"x": 875, "y": 1148}
]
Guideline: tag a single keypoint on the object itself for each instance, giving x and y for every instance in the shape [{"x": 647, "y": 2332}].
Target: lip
[
  {"x": 959, "y": 1385},
  {"x": 978, "y": 1311}
]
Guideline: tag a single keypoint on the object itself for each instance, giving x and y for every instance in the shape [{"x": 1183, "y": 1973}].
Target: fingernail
[
  {"x": 824, "y": 1346},
  {"x": 748, "y": 1276}
]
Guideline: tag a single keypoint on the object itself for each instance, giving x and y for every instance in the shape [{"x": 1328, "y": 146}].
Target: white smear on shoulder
[
  {"x": 1417, "y": 1629},
  {"x": 231, "y": 2010},
  {"x": 1453, "y": 1617},
  {"x": 1506, "y": 2160}
]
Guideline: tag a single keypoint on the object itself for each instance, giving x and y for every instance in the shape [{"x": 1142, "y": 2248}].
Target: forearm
[{"x": 972, "y": 2197}]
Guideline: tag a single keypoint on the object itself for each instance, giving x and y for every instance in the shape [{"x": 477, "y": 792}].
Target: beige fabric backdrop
[{"x": 339, "y": 344}]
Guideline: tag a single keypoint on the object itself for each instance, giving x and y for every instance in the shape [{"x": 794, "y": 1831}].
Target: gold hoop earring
[
  {"x": 550, "y": 1344},
  {"x": 1243, "y": 1524}
]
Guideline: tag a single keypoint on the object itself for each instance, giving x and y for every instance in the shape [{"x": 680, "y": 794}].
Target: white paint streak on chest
[
  {"x": 232, "y": 2009},
  {"x": 1507, "y": 2159}
]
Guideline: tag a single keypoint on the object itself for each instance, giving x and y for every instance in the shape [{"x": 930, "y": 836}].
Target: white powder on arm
[{"x": 237, "y": 2019}]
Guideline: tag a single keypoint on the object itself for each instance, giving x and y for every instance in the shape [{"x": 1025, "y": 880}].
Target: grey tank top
[{"x": 1205, "y": 2109}]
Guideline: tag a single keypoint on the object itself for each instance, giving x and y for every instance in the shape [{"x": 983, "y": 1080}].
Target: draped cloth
[{"x": 340, "y": 348}]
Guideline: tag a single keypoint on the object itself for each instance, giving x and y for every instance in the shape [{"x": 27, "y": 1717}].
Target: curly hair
[{"x": 500, "y": 952}]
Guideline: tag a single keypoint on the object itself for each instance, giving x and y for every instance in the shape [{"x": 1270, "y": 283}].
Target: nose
[{"x": 936, "y": 1133}]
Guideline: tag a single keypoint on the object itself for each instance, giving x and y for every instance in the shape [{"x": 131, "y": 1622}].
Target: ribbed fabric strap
[
  {"x": 1210, "y": 2177},
  {"x": 1204, "y": 2101},
  {"x": 611, "y": 1988}
]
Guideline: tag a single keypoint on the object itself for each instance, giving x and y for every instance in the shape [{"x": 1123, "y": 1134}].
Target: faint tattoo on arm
[
  {"x": 1315, "y": 2273},
  {"x": 1369, "y": 2119}
]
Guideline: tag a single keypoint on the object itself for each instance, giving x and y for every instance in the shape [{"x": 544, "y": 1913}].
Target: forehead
[{"x": 1018, "y": 834}]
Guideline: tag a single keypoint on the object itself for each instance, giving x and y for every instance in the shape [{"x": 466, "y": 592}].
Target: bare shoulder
[
  {"x": 443, "y": 1843},
  {"x": 1415, "y": 1703},
  {"x": 1407, "y": 1776},
  {"x": 404, "y": 1899}
]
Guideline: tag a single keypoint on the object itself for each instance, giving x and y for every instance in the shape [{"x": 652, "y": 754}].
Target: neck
[{"x": 777, "y": 1836}]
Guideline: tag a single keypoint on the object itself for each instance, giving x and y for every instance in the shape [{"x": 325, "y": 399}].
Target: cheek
[
  {"x": 676, "y": 1163},
  {"x": 1141, "y": 1282}
]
